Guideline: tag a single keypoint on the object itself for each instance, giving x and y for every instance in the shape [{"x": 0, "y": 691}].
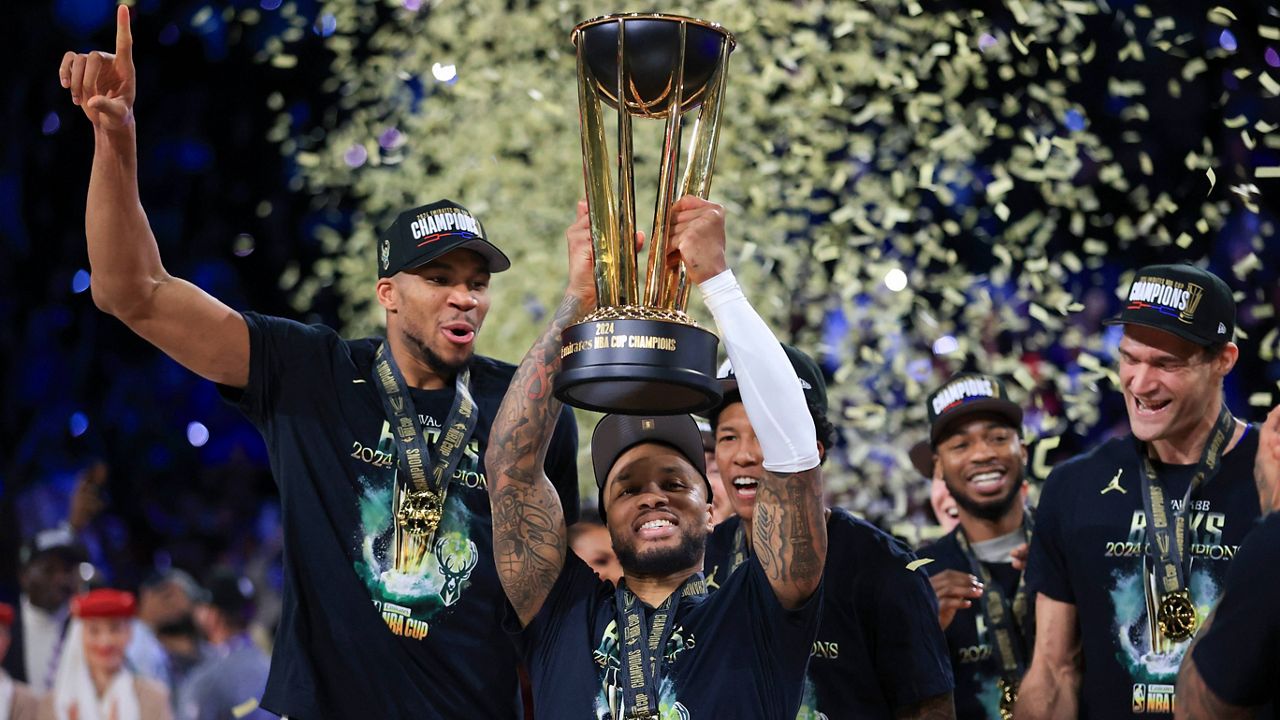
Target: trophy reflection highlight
[{"x": 639, "y": 353}]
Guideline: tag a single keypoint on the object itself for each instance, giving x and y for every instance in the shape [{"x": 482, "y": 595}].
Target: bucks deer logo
[{"x": 457, "y": 557}]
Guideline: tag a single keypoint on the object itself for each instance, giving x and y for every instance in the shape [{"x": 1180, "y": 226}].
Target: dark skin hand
[{"x": 955, "y": 590}]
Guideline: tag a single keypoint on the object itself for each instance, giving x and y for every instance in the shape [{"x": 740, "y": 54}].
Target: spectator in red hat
[
  {"x": 92, "y": 682},
  {"x": 17, "y": 701}
]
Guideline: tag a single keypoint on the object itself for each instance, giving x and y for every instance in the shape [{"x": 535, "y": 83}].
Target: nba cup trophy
[{"x": 639, "y": 353}]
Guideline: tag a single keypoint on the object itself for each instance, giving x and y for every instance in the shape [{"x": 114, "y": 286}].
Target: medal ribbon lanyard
[
  {"x": 640, "y": 664},
  {"x": 422, "y": 504},
  {"x": 1167, "y": 541},
  {"x": 1005, "y": 617}
]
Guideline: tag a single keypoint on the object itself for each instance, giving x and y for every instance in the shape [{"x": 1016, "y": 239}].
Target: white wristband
[{"x": 770, "y": 389}]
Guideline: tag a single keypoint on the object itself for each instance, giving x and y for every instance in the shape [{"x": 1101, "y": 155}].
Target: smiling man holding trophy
[{"x": 656, "y": 645}]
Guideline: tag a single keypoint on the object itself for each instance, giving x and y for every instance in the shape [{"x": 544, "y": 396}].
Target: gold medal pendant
[
  {"x": 1177, "y": 616},
  {"x": 420, "y": 512},
  {"x": 1008, "y": 698}
]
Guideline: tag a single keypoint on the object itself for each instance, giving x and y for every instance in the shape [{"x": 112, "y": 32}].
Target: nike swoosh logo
[{"x": 917, "y": 564}]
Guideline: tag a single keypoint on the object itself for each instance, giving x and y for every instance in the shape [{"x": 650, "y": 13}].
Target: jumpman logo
[{"x": 1115, "y": 484}]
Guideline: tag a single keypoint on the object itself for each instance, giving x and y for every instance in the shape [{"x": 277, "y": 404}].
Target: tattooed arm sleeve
[
  {"x": 528, "y": 522},
  {"x": 789, "y": 533}
]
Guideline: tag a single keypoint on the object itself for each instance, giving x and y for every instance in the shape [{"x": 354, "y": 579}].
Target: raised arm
[
  {"x": 1051, "y": 688},
  {"x": 128, "y": 279},
  {"x": 528, "y": 522},
  {"x": 789, "y": 531}
]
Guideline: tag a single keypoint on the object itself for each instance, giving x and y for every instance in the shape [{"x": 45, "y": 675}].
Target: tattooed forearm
[
  {"x": 528, "y": 546},
  {"x": 790, "y": 534},
  {"x": 527, "y": 418},
  {"x": 528, "y": 522},
  {"x": 935, "y": 708}
]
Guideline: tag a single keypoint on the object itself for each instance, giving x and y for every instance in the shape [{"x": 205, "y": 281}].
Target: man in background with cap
[
  {"x": 17, "y": 701},
  {"x": 983, "y": 605},
  {"x": 657, "y": 645},
  {"x": 48, "y": 577},
  {"x": 164, "y": 599},
  {"x": 228, "y": 685},
  {"x": 1134, "y": 538},
  {"x": 390, "y": 601},
  {"x": 879, "y": 652}
]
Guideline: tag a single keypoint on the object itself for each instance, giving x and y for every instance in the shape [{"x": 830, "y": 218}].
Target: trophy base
[{"x": 638, "y": 367}]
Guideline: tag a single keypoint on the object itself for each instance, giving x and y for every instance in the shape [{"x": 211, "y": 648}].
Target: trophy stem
[
  {"x": 626, "y": 197},
  {"x": 701, "y": 161},
  {"x": 605, "y": 238},
  {"x": 656, "y": 289}
]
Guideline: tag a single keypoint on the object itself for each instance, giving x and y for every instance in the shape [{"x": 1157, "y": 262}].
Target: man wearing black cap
[
  {"x": 390, "y": 602},
  {"x": 879, "y": 651},
  {"x": 1134, "y": 538},
  {"x": 229, "y": 683},
  {"x": 657, "y": 645},
  {"x": 984, "y": 607},
  {"x": 48, "y": 576}
]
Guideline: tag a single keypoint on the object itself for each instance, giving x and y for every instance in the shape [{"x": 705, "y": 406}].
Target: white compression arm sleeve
[{"x": 770, "y": 390}]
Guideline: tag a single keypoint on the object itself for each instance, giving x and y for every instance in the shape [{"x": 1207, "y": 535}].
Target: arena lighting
[{"x": 895, "y": 280}]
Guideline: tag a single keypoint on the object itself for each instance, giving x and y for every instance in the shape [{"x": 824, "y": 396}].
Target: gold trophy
[{"x": 639, "y": 353}]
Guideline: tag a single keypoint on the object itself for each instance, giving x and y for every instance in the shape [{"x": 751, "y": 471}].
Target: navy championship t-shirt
[
  {"x": 977, "y": 671},
  {"x": 1089, "y": 549},
  {"x": 1238, "y": 655},
  {"x": 879, "y": 647},
  {"x": 374, "y": 623},
  {"x": 737, "y": 653}
]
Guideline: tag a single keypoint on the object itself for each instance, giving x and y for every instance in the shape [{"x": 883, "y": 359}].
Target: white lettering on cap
[{"x": 970, "y": 387}]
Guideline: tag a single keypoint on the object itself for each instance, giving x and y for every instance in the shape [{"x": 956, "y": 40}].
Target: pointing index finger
[{"x": 124, "y": 35}]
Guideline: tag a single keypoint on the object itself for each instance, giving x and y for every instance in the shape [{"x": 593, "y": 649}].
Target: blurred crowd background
[{"x": 914, "y": 188}]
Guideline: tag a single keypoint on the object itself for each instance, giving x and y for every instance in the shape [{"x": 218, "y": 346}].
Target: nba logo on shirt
[{"x": 1152, "y": 698}]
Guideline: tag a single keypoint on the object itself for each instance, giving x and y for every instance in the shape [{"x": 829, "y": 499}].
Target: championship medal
[
  {"x": 420, "y": 512},
  {"x": 1177, "y": 616}
]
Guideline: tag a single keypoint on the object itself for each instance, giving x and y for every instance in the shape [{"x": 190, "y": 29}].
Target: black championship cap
[
  {"x": 807, "y": 370},
  {"x": 616, "y": 434},
  {"x": 965, "y": 394},
  {"x": 1184, "y": 300},
  {"x": 423, "y": 234}
]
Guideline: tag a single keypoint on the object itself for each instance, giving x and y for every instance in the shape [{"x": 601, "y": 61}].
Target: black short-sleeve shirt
[
  {"x": 977, "y": 671},
  {"x": 737, "y": 653},
  {"x": 375, "y": 625},
  {"x": 1089, "y": 550},
  {"x": 879, "y": 647},
  {"x": 1238, "y": 655}
]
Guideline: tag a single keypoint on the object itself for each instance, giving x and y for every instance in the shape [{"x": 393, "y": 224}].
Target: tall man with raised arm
[
  {"x": 1134, "y": 538},
  {"x": 391, "y": 605},
  {"x": 657, "y": 645},
  {"x": 984, "y": 607}
]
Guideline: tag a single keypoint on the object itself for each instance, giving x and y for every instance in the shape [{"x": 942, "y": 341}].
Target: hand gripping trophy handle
[{"x": 639, "y": 353}]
